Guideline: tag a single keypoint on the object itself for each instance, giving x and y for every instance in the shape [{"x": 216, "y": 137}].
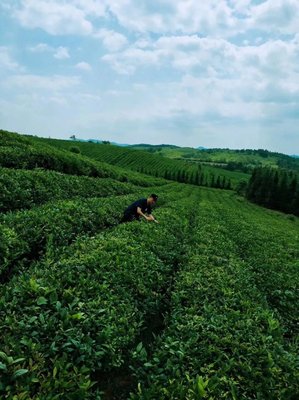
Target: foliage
[
  {"x": 222, "y": 337},
  {"x": 78, "y": 317},
  {"x": 21, "y": 152},
  {"x": 271, "y": 256},
  {"x": 75, "y": 149},
  {"x": 57, "y": 224},
  {"x": 241, "y": 187},
  {"x": 53, "y": 225},
  {"x": 146, "y": 162},
  {"x": 202, "y": 305},
  {"x": 235, "y": 160},
  {"x": 275, "y": 188},
  {"x": 21, "y": 189}
]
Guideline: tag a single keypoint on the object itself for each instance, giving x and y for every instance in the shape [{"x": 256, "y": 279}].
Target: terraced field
[
  {"x": 152, "y": 164},
  {"x": 232, "y": 328},
  {"x": 203, "y": 305}
]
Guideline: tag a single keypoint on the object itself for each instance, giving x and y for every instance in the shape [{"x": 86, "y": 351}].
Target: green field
[
  {"x": 203, "y": 305},
  {"x": 151, "y": 164},
  {"x": 223, "y": 157}
]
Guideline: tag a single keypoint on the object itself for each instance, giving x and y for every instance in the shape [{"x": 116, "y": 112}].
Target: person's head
[{"x": 152, "y": 199}]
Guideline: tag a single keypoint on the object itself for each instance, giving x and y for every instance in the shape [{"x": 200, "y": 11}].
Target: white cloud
[
  {"x": 90, "y": 98},
  {"x": 38, "y": 82},
  {"x": 180, "y": 52},
  {"x": 215, "y": 18},
  {"x": 167, "y": 16},
  {"x": 40, "y": 48},
  {"x": 91, "y": 7},
  {"x": 61, "y": 53},
  {"x": 113, "y": 41},
  {"x": 6, "y": 61},
  {"x": 127, "y": 61},
  {"x": 240, "y": 6},
  {"x": 247, "y": 83},
  {"x": 275, "y": 16},
  {"x": 83, "y": 66},
  {"x": 207, "y": 57},
  {"x": 53, "y": 17},
  {"x": 213, "y": 66}
]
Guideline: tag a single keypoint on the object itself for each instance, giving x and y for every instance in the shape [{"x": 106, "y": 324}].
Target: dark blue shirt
[{"x": 132, "y": 209}]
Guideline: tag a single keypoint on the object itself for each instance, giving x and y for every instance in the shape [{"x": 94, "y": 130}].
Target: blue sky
[{"x": 215, "y": 73}]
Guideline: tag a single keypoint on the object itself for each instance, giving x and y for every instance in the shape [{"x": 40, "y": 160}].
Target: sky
[{"x": 212, "y": 73}]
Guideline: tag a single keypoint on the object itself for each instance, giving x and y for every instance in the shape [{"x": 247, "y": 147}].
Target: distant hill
[
  {"x": 145, "y": 159},
  {"x": 243, "y": 160},
  {"x": 97, "y": 141},
  {"x": 203, "y": 304},
  {"x": 32, "y": 152},
  {"x": 154, "y": 146}
]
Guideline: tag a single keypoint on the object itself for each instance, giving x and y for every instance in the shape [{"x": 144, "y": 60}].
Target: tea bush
[
  {"x": 20, "y": 189},
  {"x": 202, "y": 305},
  {"x": 57, "y": 224},
  {"x": 66, "y": 323},
  {"x": 270, "y": 253},
  {"x": 222, "y": 340},
  {"x": 21, "y": 152}
]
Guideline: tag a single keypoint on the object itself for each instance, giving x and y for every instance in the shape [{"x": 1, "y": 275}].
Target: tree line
[
  {"x": 275, "y": 188},
  {"x": 192, "y": 176}
]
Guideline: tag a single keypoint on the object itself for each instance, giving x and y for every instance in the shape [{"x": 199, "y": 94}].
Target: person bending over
[{"x": 140, "y": 208}]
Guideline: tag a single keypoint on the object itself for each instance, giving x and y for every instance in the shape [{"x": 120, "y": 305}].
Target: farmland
[
  {"x": 203, "y": 305},
  {"x": 244, "y": 158},
  {"x": 153, "y": 164}
]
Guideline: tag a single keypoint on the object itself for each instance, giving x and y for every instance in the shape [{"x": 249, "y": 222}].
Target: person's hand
[{"x": 150, "y": 218}]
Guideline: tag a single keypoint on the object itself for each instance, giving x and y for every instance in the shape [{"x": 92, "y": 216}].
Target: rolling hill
[
  {"x": 203, "y": 304},
  {"x": 152, "y": 164},
  {"x": 244, "y": 160}
]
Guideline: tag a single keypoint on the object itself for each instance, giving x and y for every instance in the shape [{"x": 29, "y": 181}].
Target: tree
[
  {"x": 241, "y": 187},
  {"x": 274, "y": 188},
  {"x": 202, "y": 179},
  {"x": 75, "y": 149},
  {"x": 212, "y": 180},
  {"x": 295, "y": 203},
  {"x": 178, "y": 177},
  {"x": 229, "y": 185}
]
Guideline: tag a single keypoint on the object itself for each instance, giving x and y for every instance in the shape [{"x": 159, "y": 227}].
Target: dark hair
[{"x": 154, "y": 196}]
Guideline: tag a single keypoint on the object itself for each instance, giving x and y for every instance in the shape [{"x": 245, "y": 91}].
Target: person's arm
[
  {"x": 152, "y": 218},
  {"x": 148, "y": 218},
  {"x": 149, "y": 212}
]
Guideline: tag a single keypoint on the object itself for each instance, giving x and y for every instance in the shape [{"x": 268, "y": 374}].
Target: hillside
[
  {"x": 244, "y": 160},
  {"x": 275, "y": 188},
  {"x": 28, "y": 152},
  {"x": 202, "y": 305},
  {"x": 151, "y": 164}
]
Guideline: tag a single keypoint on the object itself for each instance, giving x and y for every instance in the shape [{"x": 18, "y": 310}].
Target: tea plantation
[{"x": 203, "y": 305}]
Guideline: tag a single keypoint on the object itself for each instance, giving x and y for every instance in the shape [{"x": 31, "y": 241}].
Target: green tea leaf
[
  {"x": 42, "y": 300},
  {"x": 3, "y": 367},
  {"x": 20, "y": 372}
]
